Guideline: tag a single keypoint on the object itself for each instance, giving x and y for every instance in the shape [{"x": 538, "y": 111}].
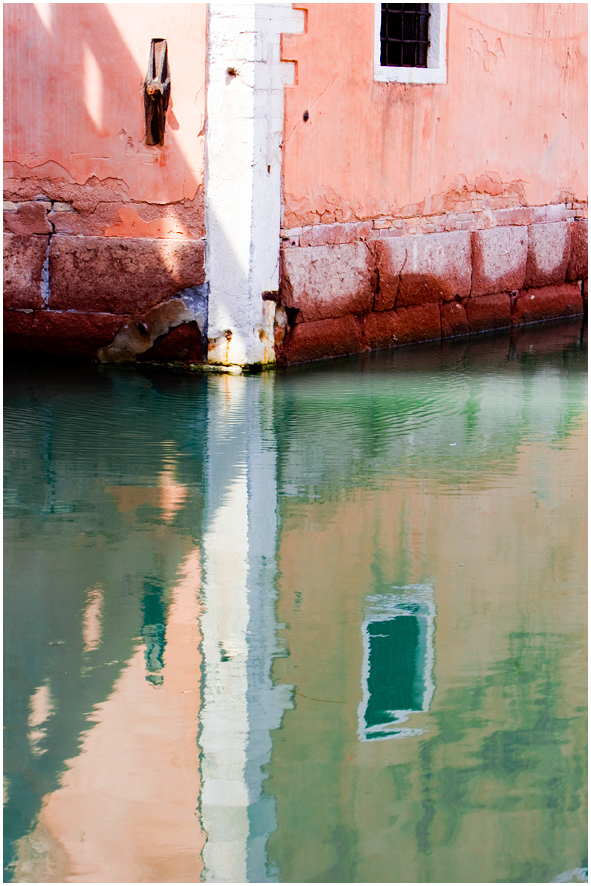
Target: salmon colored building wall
[
  {"x": 104, "y": 243},
  {"x": 415, "y": 212},
  {"x": 88, "y": 62},
  {"x": 510, "y": 122},
  {"x": 76, "y": 163}
]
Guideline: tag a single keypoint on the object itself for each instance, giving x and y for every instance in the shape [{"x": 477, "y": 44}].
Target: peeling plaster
[
  {"x": 140, "y": 332},
  {"x": 325, "y": 206},
  {"x": 131, "y": 225}
]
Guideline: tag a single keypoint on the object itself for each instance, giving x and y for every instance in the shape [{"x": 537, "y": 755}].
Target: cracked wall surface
[
  {"x": 99, "y": 227},
  {"x": 509, "y": 128}
]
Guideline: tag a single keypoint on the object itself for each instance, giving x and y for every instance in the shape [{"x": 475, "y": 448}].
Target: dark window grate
[{"x": 404, "y": 35}]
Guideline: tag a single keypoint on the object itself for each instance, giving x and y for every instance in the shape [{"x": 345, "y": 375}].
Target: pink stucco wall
[
  {"x": 510, "y": 122},
  {"x": 101, "y": 229},
  {"x": 74, "y": 115}
]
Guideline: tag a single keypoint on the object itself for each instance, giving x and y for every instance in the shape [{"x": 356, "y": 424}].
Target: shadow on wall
[{"x": 100, "y": 227}]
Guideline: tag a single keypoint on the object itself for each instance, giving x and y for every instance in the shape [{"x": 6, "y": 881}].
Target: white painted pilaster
[{"x": 244, "y": 133}]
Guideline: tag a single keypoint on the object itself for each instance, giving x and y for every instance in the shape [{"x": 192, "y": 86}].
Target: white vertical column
[{"x": 244, "y": 132}]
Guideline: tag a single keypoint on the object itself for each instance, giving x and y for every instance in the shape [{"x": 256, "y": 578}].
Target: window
[
  {"x": 397, "y": 673},
  {"x": 404, "y": 35},
  {"x": 410, "y": 42}
]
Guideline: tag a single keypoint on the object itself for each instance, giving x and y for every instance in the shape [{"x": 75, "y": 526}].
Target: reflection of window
[
  {"x": 410, "y": 42},
  {"x": 397, "y": 675}
]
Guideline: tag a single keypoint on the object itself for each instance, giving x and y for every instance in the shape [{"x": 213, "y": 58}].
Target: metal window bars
[{"x": 404, "y": 35}]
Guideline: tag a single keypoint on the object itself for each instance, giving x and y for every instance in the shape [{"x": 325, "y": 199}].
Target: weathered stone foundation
[
  {"x": 115, "y": 299},
  {"x": 347, "y": 288}
]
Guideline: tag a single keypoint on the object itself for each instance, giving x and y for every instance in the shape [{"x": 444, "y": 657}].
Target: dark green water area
[{"x": 324, "y": 624}]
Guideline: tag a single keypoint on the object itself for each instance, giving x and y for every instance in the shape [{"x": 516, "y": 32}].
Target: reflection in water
[
  {"x": 154, "y": 611},
  {"x": 41, "y": 709},
  {"x": 224, "y": 595},
  {"x": 397, "y": 675},
  {"x": 241, "y": 705},
  {"x": 92, "y": 627},
  {"x": 125, "y": 807}
]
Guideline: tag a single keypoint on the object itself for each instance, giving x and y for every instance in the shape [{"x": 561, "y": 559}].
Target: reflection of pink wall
[
  {"x": 73, "y": 100},
  {"x": 125, "y": 811},
  {"x": 514, "y": 107}
]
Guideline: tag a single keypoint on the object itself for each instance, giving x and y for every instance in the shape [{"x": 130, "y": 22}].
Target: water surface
[{"x": 321, "y": 625}]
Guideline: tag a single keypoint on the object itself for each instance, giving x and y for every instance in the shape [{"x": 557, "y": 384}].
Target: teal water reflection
[{"x": 322, "y": 625}]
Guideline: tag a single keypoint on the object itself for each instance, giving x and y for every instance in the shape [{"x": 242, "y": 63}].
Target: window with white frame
[{"x": 410, "y": 43}]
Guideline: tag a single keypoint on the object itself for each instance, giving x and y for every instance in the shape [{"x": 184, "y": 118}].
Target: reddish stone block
[
  {"x": 120, "y": 276},
  {"x": 23, "y": 264},
  {"x": 438, "y": 267},
  {"x": 184, "y": 343},
  {"x": 453, "y": 319},
  {"x": 325, "y": 282},
  {"x": 499, "y": 259},
  {"x": 17, "y": 330},
  {"x": 72, "y": 333},
  {"x": 419, "y": 323},
  {"x": 321, "y": 338},
  {"x": 579, "y": 257},
  {"x": 381, "y": 329},
  {"x": 489, "y": 312},
  {"x": 390, "y": 256},
  {"x": 547, "y": 303},
  {"x": 547, "y": 254},
  {"x": 326, "y": 235},
  {"x": 384, "y": 329},
  {"x": 29, "y": 218}
]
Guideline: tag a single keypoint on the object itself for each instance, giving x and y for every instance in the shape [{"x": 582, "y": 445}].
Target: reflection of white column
[{"x": 240, "y": 704}]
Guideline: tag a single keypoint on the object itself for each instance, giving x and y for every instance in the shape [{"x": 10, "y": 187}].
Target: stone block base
[
  {"x": 383, "y": 329},
  {"x": 17, "y": 331},
  {"x": 60, "y": 334},
  {"x": 326, "y": 282},
  {"x": 184, "y": 344},
  {"x": 547, "y": 303},
  {"x": 322, "y": 338},
  {"x": 71, "y": 334},
  {"x": 486, "y": 312},
  {"x": 454, "y": 320},
  {"x": 120, "y": 275},
  {"x": 391, "y": 288},
  {"x": 23, "y": 260}
]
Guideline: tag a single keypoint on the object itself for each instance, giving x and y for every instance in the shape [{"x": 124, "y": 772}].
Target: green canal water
[{"x": 326, "y": 624}]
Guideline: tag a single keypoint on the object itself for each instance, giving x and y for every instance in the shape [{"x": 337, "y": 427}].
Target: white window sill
[{"x": 410, "y": 75}]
